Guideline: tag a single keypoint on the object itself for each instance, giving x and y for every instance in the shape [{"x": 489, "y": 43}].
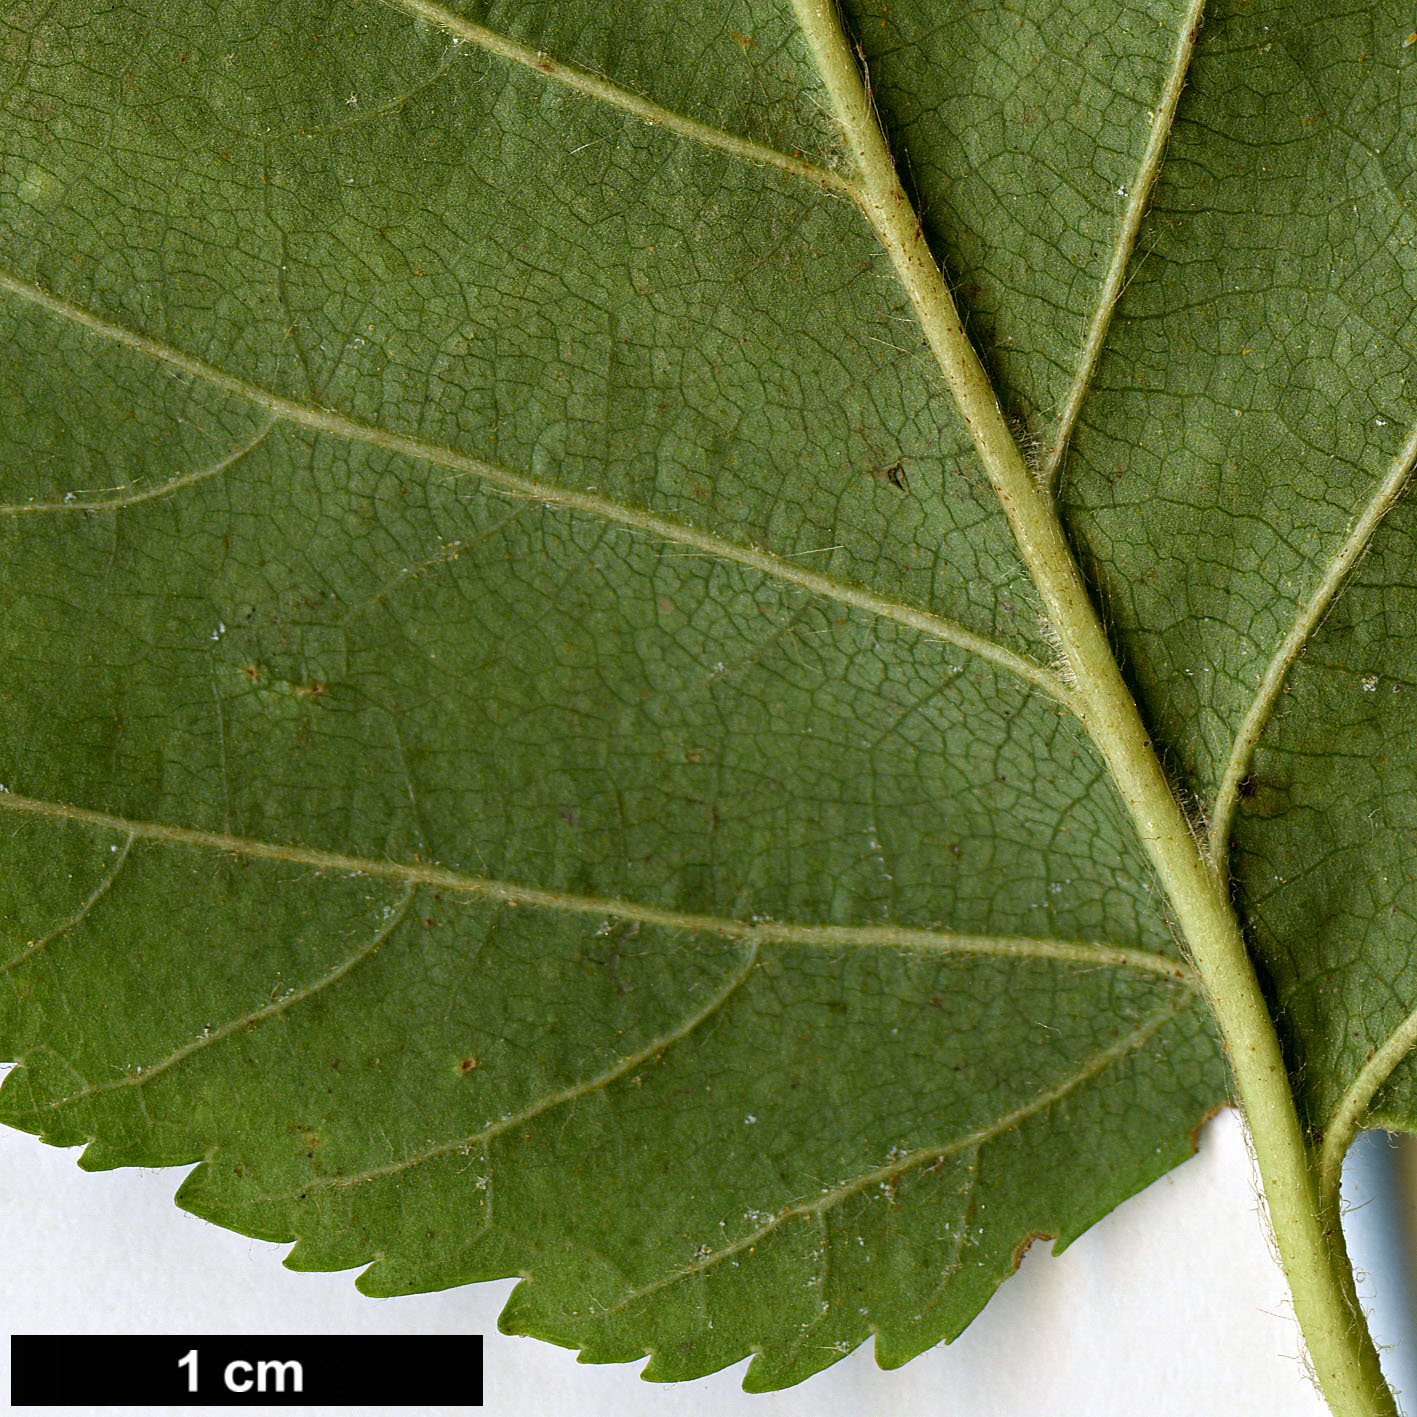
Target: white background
[{"x": 1172, "y": 1305}]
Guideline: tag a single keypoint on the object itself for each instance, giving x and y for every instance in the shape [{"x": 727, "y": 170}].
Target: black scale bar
[{"x": 256, "y": 1370}]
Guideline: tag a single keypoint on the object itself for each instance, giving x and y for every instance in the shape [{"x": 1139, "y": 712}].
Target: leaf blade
[{"x": 348, "y": 660}]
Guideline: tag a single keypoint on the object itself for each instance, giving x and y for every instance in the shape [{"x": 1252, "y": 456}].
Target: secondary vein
[
  {"x": 78, "y": 917},
  {"x": 287, "y": 1001},
  {"x": 74, "y": 502},
  {"x": 922, "y": 1156},
  {"x": 594, "y": 86},
  {"x": 1311, "y": 613},
  {"x": 1115, "y": 280},
  {"x": 1081, "y": 952},
  {"x": 1353, "y": 1106},
  {"x": 601, "y": 1080},
  {"x": 336, "y": 425}
]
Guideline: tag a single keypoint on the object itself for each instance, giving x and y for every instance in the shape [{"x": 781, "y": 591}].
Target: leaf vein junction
[
  {"x": 75, "y": 502},
  {"x": 100, "y": 890},
  {"x": 349, "y": 430},
  {"x": 555, "y": 1099},
  {"x": 1352, "y": 1109},
  {"x": 1310, "y": 616},
  {"x": 923, "y": 1156},
  {"x": 1097, "y": 955},
  {"x": 285, "y": 1002},
  {"x": 594, "y": 86},
  {"x": 1114, "y": 282}
]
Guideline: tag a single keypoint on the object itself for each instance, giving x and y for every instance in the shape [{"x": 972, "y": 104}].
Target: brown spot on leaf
[
  {"x": 1021, "y": 1249},
  {"x": 1196, "y": 1130}
]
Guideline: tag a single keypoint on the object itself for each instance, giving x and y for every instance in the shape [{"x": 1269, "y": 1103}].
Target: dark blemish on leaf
[
  {"x": 894, "y": 474},
  {"x": 310, "y": 691},
  {"x": 467, "y": 1065},
  {"x": 1021, "y": 1249},
  {"x": 1262, "y": 797},
  {"x": 1195, "y": 1135}
]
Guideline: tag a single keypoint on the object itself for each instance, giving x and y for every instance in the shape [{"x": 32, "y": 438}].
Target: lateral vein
[
  {"x": 1115, "y": 280},
  {"x": 593, "y": 86},
  {"x": 287, "y": 1001},
  {"x": 601, "y": 1080},
  {"x": 1352, "y": 1109},
  {"x": 1311, "y": 613},
  {"x": 77, "y": 918},
  {"x": 922, "y": 1156},
  {"x": 71, "y": 502},
  {"x": 349, "y": 430},
  {"x": 1087, "y": 953}
]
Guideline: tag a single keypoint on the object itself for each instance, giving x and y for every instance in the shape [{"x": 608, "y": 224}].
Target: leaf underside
[{"x": 514, "y": 749}]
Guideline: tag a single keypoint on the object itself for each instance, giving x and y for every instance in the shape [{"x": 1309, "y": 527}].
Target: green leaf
[{"x": 528, "y": 745}]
